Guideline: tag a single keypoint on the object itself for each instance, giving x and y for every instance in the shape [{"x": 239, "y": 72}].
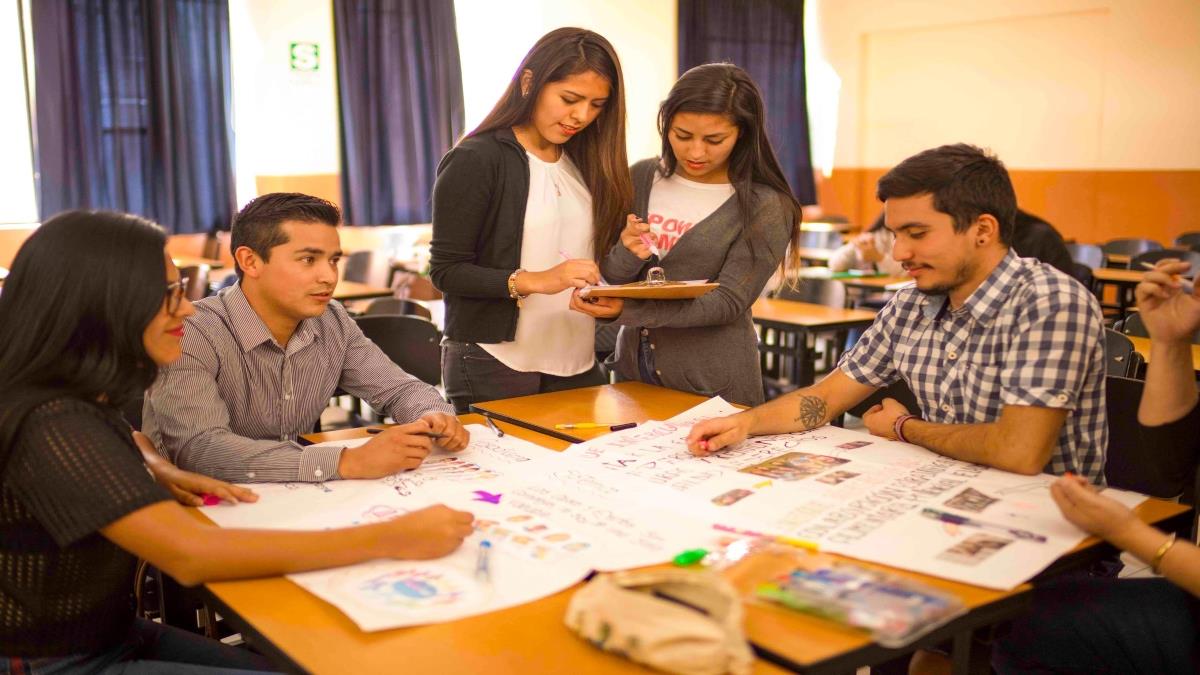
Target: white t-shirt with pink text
[{"x": 677, "y": 204}]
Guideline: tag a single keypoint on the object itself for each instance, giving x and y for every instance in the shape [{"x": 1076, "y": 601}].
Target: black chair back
[
  {"x": 826, "y": 292},
  {"x": 1083, "y": 274},
  {"x": 1188, "y": 240},
  {"x": 398, "y": 307},
  {"x": 197, "y": 285},
  {"x": 357, "y": 267},
  {"x": 1133, "y": 325},
  {"x": 898, "y": 390},
  {"x": 1086, "y": 254},
  {"x": 1130, "y": 247},
  {"x": 1131, "y": 464},
  {"x": 1119, "y": 355},
  {"x": 410, "y": 342},
  {"x": 1151, "y": 257}
]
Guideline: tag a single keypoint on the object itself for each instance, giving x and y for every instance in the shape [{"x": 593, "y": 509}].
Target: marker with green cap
[{"x": 690, "y": 557}]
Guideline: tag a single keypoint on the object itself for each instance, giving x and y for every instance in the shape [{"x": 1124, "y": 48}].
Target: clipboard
[{"x": 642, "y": 290}]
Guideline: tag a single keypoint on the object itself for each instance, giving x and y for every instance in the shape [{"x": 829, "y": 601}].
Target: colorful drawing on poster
[
  {"x": 974, "y": 549},
  {"x": 576, "y": 546},
  {"x": 836, "y": 477},
  {"x": 793, "y": 466},
  {"x": 489, "y": 497},
  {"x": 853, "y": 445},
  {"x": 415, "y": 588},
  {"x": 732, "y": 497},
  {"x": 557, "y": 537},
  {"x": 762, "y": 485},
  {"x": 970, "y": 499},
  {"x": 519, "y": 518}
]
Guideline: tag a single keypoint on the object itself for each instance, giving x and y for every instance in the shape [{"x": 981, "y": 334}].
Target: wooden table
[
  {"x": 182, "y": 261},
  {"x": 863, "y": 283},
  {"x": 610, "y": 403},
  {"x": 352, "y": 290},
  {"x": 1118, "y": 258},
  {"x": 822, "y": 255},
  {"x": 304, "y": 633},
  {"x": 803, "y": 319},
  {"x": 1124, "y": 280},
  {"x": 1142, "y": 346}
]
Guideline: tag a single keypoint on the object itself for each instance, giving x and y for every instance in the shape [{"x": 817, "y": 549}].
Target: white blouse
[{"x": 550, "y": 337}]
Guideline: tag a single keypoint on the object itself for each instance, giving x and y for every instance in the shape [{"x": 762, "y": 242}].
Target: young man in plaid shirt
[{"x": 1004, "y": 354}]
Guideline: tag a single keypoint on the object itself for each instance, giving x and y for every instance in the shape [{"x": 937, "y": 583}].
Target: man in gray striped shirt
[{"x": 262, "y": 358}]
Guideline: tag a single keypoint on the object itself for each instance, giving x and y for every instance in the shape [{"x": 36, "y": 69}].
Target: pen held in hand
[
  {"x": 427, "y": 434},
  {"x": 1177, "y": 277}
]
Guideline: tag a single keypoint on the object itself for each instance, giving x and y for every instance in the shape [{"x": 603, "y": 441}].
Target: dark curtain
[
  {"x": 766, "y": 38},
  {"x": 133, "y": 109},
  {"x": 401, "y": 100}
]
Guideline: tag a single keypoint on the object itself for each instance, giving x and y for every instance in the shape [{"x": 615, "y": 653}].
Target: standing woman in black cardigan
[{"x": 522, "y": 208}]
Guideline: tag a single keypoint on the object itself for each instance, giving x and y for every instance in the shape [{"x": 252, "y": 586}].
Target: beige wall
[
  {"x": 1063, "y": 84},
  {"x": 1091, "y": 103},
  {"x": 285, "y": 122}
]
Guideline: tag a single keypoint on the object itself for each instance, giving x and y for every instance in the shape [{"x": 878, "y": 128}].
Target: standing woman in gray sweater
[{"x": 717, "y": 206}]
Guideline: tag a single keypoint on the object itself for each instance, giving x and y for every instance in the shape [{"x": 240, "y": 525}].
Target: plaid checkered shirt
[{"x": 1029, "y": 335}]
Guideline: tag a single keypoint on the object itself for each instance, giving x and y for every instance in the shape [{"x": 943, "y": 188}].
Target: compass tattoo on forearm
[{"x": 812, "y": 412}]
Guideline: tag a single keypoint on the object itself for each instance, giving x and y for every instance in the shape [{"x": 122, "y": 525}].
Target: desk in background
[
  {"x": 802, "y": 319},
  {"x": 1123, "y": 280},
  {"x": 182, "y": 261},
  {"x": 1142, "y": 346},
  {"x": 352, "y": 290}
]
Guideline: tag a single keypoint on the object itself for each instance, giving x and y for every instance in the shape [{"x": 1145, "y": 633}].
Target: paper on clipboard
[{"x": 670, "y": 290}]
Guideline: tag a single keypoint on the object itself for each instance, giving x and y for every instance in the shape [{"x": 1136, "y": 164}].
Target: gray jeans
[{"x": 472, "y": 375}]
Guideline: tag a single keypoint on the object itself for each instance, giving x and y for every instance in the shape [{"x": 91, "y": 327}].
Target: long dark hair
[
  {"x": 598, "y": 150},
  {"x": 725, "y": 89},
  {"x": 75, "y": 305}
]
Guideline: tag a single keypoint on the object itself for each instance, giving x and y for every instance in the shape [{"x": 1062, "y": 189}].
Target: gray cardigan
[{"x": 707, "y": 345}]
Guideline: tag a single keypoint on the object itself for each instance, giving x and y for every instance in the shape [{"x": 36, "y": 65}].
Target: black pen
[{"x": 427, "y": 434}]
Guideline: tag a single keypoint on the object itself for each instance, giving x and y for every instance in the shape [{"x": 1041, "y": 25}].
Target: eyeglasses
[{"x": 174, "y": 294}]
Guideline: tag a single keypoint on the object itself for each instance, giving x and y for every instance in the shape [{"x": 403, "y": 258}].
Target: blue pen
[{"x": 483, "y": 563}]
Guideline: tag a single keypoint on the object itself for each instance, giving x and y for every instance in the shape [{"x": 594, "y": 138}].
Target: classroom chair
[
  {"x": 1129, "y": 247},
  {"x": 1120, "y": 357},
  {"x": 1152, "y": 257},
  {"x": 197, "y": 285},
  {"x": 397, "y": 307},
  {"x": 411, "y": 342},
  {"x": 898, "y": 390},
  {"x": 357, "y": 267},
  {"x": 1131, "y": 464},
  {"x": 1090, "y": 255},
  {"x": 1133, "y": 325},
  {"x": 1188, "y": 240}
]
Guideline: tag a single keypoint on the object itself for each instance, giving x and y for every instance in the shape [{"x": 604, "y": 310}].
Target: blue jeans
[
  {"x": 1092, "y": 625},
  {"x": 149, "y": 648}
]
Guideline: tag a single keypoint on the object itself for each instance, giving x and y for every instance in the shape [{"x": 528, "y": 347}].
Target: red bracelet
[{"x": 898, "y": 427}]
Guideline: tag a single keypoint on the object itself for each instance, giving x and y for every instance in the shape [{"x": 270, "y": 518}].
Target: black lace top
[{"x": 64, "y": 588}]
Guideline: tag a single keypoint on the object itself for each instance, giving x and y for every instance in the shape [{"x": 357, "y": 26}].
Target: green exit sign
[{"x": 304, "y": 56}]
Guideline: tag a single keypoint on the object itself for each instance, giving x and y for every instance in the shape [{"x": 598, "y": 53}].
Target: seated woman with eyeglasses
[{"x": 92, "y": 307}]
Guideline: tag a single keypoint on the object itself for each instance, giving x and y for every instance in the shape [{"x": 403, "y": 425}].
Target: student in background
[
  {"x": 869, "y": 251},
  {"x": 262, "y": 358},
  {"x": 1129, "y": 625},
  {"x": 726, "y": 214},
  {"x": 92, "y": 309},
  {"x": 1035, "y": 238},
  {"x": 521, "y": 208},
  {"x": 1004, "y": 354}
]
